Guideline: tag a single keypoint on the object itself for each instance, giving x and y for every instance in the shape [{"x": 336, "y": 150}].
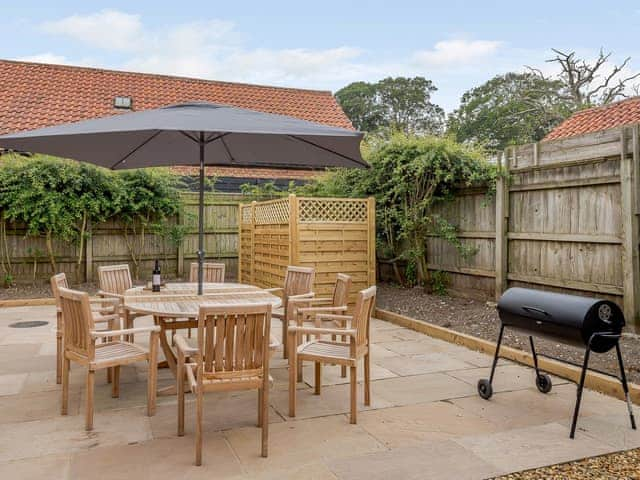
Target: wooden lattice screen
[{"x": 333, "y": 235}]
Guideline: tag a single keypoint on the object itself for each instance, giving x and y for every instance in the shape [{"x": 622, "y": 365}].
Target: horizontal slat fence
[
  {"x": 333, "y": 235},
  {"x": 107, "y": 245},
  {"x": 564, "y": 219}
]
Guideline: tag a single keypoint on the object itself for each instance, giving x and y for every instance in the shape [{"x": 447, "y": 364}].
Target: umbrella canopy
[
  {"x": 172, "y": 135},
  {"x": 196, "y": 133}
]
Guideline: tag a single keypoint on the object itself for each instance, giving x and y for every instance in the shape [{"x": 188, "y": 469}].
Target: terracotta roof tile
[
  {"x": 34, "y": 95},
  {"x": 595, "y": 119}
]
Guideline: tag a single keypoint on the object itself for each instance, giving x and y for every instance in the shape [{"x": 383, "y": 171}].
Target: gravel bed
[
  {"x": 615, "y": 466},
  {"x": 481, "y": 320}
]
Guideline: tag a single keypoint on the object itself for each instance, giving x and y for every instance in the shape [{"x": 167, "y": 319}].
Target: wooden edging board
[
  {"x": 594, "y": 380},
  {"x": 27, "y": 302}
]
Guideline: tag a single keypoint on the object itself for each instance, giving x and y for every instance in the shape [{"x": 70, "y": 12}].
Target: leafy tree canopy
[
  {"x": 514, "y": 108},
  {"x": 398, "y": 104}
]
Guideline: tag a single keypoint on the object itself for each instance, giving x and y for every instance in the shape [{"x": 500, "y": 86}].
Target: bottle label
[{"x": 156, "y": 279}]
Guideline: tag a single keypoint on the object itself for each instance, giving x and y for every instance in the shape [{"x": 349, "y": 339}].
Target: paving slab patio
[{"x": 425, "y": 421}]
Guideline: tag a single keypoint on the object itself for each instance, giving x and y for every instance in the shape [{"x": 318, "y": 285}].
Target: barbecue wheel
[
  {"x": 543, "y": 382},
  {"x": 484, "y": 389}
]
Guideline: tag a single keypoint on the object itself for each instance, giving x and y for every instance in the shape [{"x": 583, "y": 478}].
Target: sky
[{"x": 320, "y": 45}]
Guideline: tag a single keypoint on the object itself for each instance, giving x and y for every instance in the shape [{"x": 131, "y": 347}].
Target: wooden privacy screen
[
  {"x": 565, "y": 218},
  {"x": 333, "y": 235}
]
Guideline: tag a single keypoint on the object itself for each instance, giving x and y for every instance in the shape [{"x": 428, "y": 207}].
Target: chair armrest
[
  {"x": 106, "y": 318},
  {"x": 330, "y": 316},
  {"x": 322, "y": 331},
  {"x": 110, "y": 295},
  {"x": 183, "y": 346},
  {"x": 312, "y": 310},
  {"x": 274, "y": 289},
  {"x": 114, "y": 302},
  {"x": 301, "y": 297},
  {"x": 125, "y": 331}
]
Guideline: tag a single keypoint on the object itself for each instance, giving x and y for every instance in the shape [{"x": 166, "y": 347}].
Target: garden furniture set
[{"x": 233, "y": 346}]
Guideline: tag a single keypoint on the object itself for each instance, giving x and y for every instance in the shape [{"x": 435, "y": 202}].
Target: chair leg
[
  {"x": 152, "y": 381},
  {"x": 285, "y": 340},
  {"x": 199, "y": 427},
  {"x": 318, "y": 377},
  {"x": 343, "y": 368},
  {"x": 91, "y": 379},
  {"x": 367, "y": 379},
  {"x": 115, "y": 386},
  {"x": 180, "y": 392},
  {"x": 264, "y": 408},
  {"x": 65, "y": 385},
  {"x": 354, "y": 393},
  {"x": 109, "y": 375},
  {"x": 59, "y": 360},
  {"x": 293, "y": 357}
]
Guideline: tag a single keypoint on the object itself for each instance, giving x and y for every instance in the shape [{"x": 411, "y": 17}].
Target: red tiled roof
[
  {"x": 595, "y": 119},
  {"x": 34, "y": 95}
]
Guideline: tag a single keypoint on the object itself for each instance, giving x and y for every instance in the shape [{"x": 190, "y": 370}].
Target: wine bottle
[{"x": 155, "y": 278}]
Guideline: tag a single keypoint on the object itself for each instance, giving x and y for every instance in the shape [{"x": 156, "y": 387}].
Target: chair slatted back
[
  {"x": 234, "y": 340},
  {"x": 115, "y": 278},
  {"x": 211, "y": 272},
  {"x": 341, "y": 290},
  {"x": 78, "y": 322},
  {"x": 362, "y": 314},
  {"x": 298, "y": 280},
  {"x": 58, "y": 281}
]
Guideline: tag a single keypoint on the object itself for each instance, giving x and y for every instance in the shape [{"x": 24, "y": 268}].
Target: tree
[
  {"x": 55, "y": 199},
  {"x": 514, "y": 108},
  {"x": 588, "y": 84},
  {"x": 392, "y": 105}
]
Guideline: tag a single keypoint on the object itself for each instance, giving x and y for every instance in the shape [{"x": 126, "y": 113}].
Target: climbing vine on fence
[{"x": 59, "y": 199}]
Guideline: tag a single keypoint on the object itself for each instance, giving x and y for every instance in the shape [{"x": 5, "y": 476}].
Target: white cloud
[
  {"x": 453, "y": 53},
  {"x": 46, "y": 57},
  {"x": 106, "y": 29}
]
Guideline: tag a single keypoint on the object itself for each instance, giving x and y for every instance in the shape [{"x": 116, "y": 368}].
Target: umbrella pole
[{"x": 201, "y": 217}]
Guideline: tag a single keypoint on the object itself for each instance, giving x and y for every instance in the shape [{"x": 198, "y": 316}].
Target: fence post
[
  {"x": 253, "y": 252},
  {"x": 371, "y": 235},
  {"x": 88, "y": 258},
  {"x": 293, "y": 229},
  {"x": 240, "y": 208},
  {"x": 630, "y": 263},
  {"x": 180, "y": 252},
  {"x": 502, "y": 223}
]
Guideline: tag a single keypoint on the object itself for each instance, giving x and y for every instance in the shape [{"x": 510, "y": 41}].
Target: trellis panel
[{"x": 333, "y": 235}]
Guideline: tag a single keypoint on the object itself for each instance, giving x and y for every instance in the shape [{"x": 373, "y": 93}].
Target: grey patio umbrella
[{"x": 196, "y": 133}]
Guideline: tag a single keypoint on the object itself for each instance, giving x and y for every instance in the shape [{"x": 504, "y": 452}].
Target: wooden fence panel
[{"x": 107, "y": 245}]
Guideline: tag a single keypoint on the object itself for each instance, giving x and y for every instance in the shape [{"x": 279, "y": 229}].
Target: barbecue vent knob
[{"x": 604, "y": 313}]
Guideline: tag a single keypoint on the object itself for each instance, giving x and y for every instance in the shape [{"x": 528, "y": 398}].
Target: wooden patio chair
[
  {"x": 106, "y": 315},
  {"x": 331, "y": 351},
  {"x": 80, "y": 346},
  {"x": 307, "y": 310},
  {"x": 298, "y": 282},
  {"x": 212, "y": 272},
  {"x": 113, "y": 281},
  {"x": 232, "y": 354}
]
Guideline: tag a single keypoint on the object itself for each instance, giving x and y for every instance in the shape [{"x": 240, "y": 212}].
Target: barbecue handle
[{"x": 534, "y": 309}]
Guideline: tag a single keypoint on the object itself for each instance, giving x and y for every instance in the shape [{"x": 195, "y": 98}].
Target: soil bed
[
  {"x": 615, "y": 466},
  {"x": 481, "y": 320}
]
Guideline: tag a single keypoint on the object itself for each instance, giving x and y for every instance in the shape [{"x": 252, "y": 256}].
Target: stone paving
[{"x": 425, "y": 420}]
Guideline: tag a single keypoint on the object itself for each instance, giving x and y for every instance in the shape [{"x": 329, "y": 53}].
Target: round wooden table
[{"x": 176, "y": 307}]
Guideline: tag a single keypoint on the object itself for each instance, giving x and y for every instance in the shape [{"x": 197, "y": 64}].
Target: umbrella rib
[
  {"x": 295, "y": 137},
  {"x": 123, "y": 159},
  {"x": 213, "y": 138},
  {"x": 224, "y": 144},
  {"x": 191, "y": 137}
]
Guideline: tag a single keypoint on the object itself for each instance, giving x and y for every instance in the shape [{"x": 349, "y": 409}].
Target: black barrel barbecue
[{"x": 593, "y": 324}]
